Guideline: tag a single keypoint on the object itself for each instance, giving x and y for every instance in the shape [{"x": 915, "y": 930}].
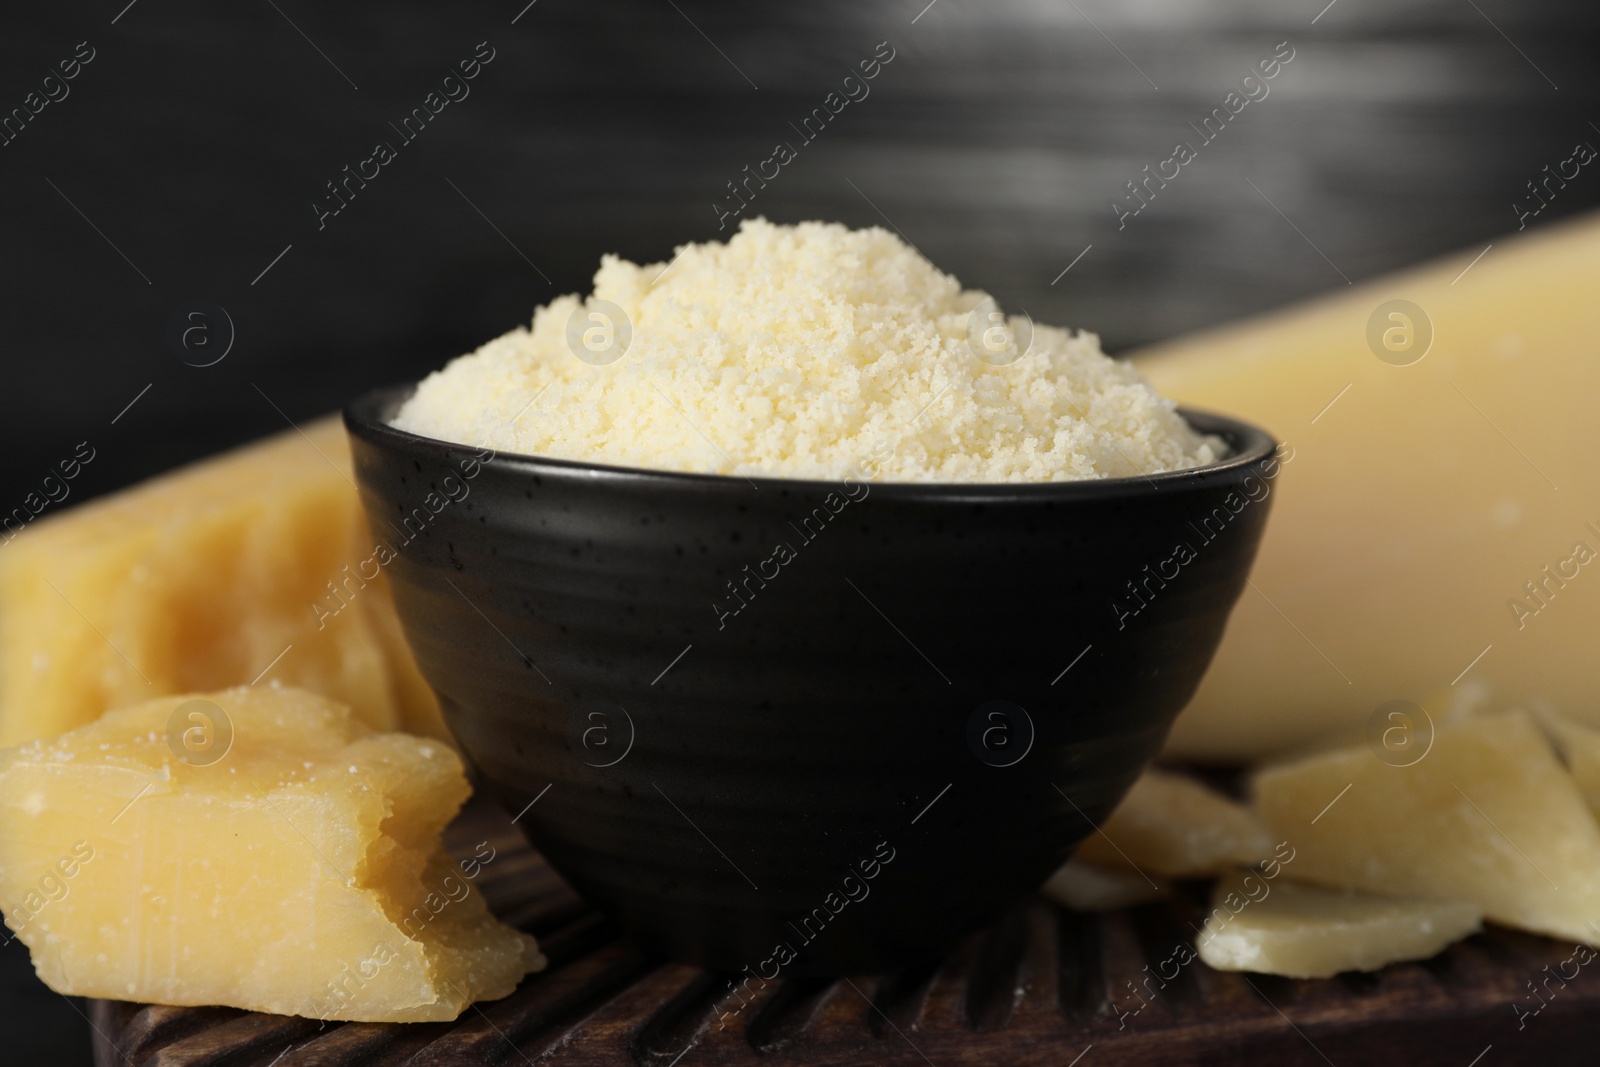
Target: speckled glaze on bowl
[{"x": 913, "y": 715}]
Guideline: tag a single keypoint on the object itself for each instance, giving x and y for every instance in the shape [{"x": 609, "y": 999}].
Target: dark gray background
[{"x": 199, "y": 136}]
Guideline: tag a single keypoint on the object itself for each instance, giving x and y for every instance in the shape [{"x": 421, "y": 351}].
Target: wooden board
[{"x": 1043, "y": 986}]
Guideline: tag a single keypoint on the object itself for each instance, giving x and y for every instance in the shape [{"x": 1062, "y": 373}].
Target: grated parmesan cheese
[{"x": 800, "y": 352}]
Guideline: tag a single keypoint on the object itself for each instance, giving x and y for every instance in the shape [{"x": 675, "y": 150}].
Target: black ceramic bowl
[{"x": 805, "y": 727}]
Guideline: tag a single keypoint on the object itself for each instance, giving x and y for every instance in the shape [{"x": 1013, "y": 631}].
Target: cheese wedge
[
  {"x": 255, "y": 847},
  {"x": 1418, "y": 533},
  {"x": 1172, "y": 825},
  {"x": 1489, "y": 816},
  {"x": 1302, "y": 931},
  {"x": 242, "y": 567}
]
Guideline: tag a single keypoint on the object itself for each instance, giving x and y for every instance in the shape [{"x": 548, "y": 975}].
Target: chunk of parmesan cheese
[{"x": 258, "y": 848}]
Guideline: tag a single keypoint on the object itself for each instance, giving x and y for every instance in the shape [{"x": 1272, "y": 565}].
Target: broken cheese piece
[
  {"x": 1172, "y": 825},
  {"x": 253, "y": 564},
  {"x": 1087, "y": 887},
  {"x": 1579, "y": 746},
  {"x": 1487, "y": 815},
  {"x": 1302, "y": 931},
  {"x": 293, "y": 868}
]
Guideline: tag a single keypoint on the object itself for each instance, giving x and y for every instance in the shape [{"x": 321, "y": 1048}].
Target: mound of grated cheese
[{"x": 800, "y": 352}]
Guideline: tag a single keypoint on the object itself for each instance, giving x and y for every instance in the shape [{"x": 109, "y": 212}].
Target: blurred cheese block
[
  {"x": 1302, "y": 931},
  {"x": 1087, "y": 887},
  {"x": 1172, "y": 825},
  {"x": 217, "y": 574},
  {"x": 257, "y": 848},
  {"x": 1414, "y": 523},
  {"x": 1487, "y": 815}
]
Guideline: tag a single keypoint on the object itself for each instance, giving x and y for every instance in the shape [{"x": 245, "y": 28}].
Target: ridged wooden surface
[{"x": 1043, "y": 986}]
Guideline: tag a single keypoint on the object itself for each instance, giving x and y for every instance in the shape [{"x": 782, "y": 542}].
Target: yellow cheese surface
[
  {"x": 1416, "y": 509},
  {"x": 1488, "y": 815},
  {"x": 1303, "y": 931},
  {"x": 1176, "y": 826},
  {"x": 218, "y": 574},
  {"x": 256, "y": 847}
]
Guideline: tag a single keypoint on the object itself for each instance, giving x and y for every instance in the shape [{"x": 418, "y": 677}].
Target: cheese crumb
[{"x": 804, "y": 352}]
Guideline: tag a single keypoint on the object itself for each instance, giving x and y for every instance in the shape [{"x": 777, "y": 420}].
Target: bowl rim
[{"x": 366, "y": 417}]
